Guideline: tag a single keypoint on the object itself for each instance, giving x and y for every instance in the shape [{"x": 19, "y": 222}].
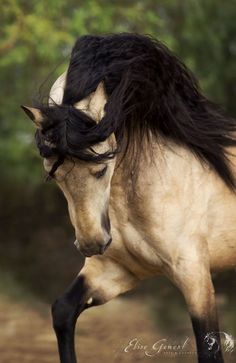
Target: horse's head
[{"x": 85, "y": 183}]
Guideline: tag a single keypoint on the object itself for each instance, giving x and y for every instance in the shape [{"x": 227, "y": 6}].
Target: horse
[{"x": 146, "y": 164}]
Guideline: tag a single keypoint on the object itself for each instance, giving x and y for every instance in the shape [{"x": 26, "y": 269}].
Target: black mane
[{"x": 149, "y": 90}]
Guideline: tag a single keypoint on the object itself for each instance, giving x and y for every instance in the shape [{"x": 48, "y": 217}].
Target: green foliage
[{"x": 36, "y": 40}]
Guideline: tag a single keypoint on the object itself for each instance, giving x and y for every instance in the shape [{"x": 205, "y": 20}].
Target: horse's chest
[{"x": 131, "y": 249}]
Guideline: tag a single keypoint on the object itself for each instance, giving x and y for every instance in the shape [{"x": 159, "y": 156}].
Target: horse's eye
[{"x": 101, "y": 173}]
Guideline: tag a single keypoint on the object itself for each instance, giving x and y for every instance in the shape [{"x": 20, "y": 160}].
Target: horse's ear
[
  {"x": 97, "y": 102},
  {"x": 57, "y": 90},
  {"x": 93, "y": 105},
  {"x": 34, "y": 114}
]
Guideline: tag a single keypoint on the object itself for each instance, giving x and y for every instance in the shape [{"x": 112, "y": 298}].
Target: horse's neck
[
  {"x": 173, "y": 200},
  {"x": 171, "y": 170}
]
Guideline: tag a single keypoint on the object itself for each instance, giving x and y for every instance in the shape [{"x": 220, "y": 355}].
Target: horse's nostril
[{"x": 109, "y": 242}]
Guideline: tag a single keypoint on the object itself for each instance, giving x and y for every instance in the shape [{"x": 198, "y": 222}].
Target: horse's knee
[{"x": 66, "y": 309}]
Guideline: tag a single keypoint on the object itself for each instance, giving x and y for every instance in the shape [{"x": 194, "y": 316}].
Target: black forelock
[
  {"x": 148, "y": 89},
  {"x": 67, "y": 131}
]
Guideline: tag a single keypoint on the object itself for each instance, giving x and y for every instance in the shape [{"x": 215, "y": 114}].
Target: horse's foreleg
[
  {"x": 192, "y": 276},
  {"x": 65, "y": 312},
  {"x": 205, "y": 324},
  {"x": 100, "y": 280}
]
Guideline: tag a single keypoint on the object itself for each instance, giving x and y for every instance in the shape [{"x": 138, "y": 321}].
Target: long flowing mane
[{"x": 149, "y": 91}]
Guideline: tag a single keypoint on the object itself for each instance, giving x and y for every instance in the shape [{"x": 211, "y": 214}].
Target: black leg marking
[
  {"x": 65, "y": 312},
  {"x": 208, "y": 341}
]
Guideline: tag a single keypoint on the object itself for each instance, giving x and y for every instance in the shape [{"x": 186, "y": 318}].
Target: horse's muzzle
[{"x": 92, "y": 249}]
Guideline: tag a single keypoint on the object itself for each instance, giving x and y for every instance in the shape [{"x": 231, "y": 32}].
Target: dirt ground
[{"x": 102, "y": 334}]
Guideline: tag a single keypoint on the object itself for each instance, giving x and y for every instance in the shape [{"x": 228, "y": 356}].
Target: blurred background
[{"x": 37, "y": 256}]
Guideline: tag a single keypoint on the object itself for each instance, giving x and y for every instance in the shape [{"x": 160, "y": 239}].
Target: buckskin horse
[{"x": 147, "y": 166}]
